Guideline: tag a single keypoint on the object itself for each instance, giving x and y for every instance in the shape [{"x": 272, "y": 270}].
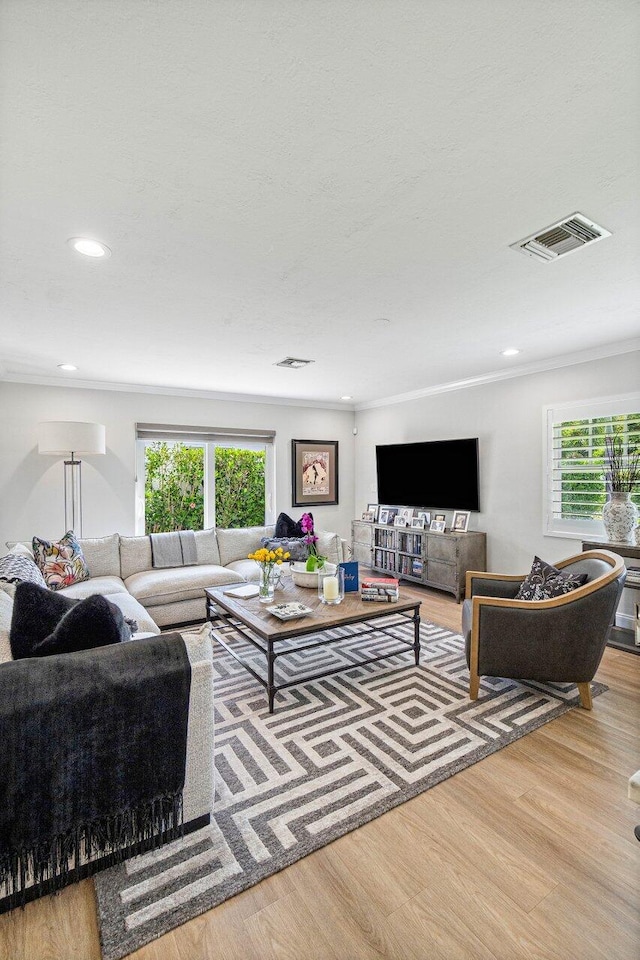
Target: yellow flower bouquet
[{"x": 268, "y": 560}]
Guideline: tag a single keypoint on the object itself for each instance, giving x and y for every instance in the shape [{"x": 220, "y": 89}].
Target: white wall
[
  {"x": 31, "y": 492},
  {"x": 507, "y": 418}
]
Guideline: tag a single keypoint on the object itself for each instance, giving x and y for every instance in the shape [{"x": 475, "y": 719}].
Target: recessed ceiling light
[
  {"x": 346, "y": 397},
  {"x": 67, "y": 366},
  {"x": 89, "y": 248},
  {"x": 510, "y": 352}
]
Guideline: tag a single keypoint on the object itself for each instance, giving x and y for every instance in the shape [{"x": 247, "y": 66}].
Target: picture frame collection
[{"x": 416, "y": 519}]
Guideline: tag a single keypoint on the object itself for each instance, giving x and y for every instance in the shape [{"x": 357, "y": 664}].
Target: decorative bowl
[{"x": 304, "y": 578}]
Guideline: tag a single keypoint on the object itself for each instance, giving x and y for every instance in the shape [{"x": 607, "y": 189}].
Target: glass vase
[{"x": 266, "y": 586}]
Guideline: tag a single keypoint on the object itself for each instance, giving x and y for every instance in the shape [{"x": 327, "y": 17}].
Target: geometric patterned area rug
[{"x": 336, "y": 753}]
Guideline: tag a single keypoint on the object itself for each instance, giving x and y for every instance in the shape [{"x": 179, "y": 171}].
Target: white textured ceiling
[{"x": 283, "y": 177}]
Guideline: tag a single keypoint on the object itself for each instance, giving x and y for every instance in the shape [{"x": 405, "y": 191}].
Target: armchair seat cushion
[{"x": 103, "y": 585}]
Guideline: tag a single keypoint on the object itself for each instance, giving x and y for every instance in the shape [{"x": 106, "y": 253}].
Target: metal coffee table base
[{"x": 267, "y": 647}]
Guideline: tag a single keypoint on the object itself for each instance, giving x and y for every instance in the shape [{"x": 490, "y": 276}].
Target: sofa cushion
[
  {"x": 103, "y": 585},
  {"x": 183, "y": 611},
  {"x": 238, "y": 542},
  {"x": 102, "y": 555},
  {"x": 247, "y": 569},
  {"x": 90, "y": 623},
  {"x": 545, "y": 581},
  {"x": 329, "y": 545},
  {"x": 61, "y": 562},
  {"x": 155, "y": 587},
  {"x": 135, "y": 555},
  {"x": 16, "y": 568},
  {"x": 207, "y": 546},
  {"x": 133, "y": 610}
]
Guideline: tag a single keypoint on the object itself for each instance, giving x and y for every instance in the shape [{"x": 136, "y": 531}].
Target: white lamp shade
[{"x": 61, "y": 437}]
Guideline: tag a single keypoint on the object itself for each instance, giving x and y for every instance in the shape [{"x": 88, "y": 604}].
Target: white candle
[{"x": 330, "y": 588}]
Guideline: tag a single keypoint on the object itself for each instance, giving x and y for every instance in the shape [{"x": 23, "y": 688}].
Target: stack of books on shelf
[
  {"x": 633, "y": 577},
  {"x": 381, "y": 589}
]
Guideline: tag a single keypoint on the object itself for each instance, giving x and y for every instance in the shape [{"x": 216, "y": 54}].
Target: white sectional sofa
[{"x": 121, "y": 568}]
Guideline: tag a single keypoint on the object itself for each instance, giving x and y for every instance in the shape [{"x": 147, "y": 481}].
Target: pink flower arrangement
[{"x": 314, "y": 560}]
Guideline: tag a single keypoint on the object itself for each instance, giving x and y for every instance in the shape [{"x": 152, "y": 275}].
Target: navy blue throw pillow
[
  {"x": 93, "y": 622},
  {"x": 286, "y": 527},
  {"x": 37, "y": 611},
  {"x": 44, "y": 623}
]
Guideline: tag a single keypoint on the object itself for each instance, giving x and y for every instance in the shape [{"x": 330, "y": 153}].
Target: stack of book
[
  {"x": 633, "y": 577},
  {"x": 384, "y": 589}
]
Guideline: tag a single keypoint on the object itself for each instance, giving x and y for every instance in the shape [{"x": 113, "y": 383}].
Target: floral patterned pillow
[
  {"x": 61, "y": 563},
  {"x": 545, "y": 581}
]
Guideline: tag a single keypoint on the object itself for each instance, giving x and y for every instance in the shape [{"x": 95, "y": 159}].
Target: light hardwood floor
[{"x": 528, "y": 854}]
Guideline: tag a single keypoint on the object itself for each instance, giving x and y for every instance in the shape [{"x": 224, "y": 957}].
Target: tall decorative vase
[{"x": 620, "y": 516}]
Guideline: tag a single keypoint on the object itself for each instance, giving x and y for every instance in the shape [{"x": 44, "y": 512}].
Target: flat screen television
[{"x": 432, "y": 474}]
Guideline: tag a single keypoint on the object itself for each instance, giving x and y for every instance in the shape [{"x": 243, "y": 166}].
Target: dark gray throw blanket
[
  {"x": 176, "y": 549},
  {"x": 92, "y": 753}
]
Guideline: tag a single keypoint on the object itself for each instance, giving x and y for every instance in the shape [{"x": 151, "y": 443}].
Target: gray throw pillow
[
  {"x": 544, "y": 581},
  {"x": 293, "y": 545},
  {"x": 16, "y": 568}
]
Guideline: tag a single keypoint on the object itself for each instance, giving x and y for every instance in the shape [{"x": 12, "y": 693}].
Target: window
[
  {"x": 190, "y": 478},
  {"x": 575, "y": 486}
]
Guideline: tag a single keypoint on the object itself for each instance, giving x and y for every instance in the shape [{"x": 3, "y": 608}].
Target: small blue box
[{"x": 351, "y": 578}]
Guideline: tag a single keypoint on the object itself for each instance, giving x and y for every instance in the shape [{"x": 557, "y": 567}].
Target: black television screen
[{"x": 434, "y": 474}]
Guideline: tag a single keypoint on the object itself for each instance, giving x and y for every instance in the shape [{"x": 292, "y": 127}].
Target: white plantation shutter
[{"x": 575, "y": 486}]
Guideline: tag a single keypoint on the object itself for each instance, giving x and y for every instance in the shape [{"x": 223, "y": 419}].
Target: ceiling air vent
[
  {"x": 561, "y": 238},
  {"x": 293, "y": 362}
]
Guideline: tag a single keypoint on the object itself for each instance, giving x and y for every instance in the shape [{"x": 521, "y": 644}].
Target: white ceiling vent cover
[
  {"x": 561, "y": 238},
  {"x": 294, "y": 363}
]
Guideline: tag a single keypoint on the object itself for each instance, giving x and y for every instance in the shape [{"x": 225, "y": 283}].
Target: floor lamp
[{"x": 70, "y": 438}]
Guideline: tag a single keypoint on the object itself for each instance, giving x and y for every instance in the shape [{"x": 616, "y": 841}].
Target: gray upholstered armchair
[{"x": 559, "y": 640}]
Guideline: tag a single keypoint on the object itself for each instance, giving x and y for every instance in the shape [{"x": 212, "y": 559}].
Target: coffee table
[{"x": 250, "y": 620}]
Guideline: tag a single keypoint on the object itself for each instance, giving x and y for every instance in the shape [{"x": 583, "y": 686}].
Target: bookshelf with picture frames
[{"x": 419, "y": 555}]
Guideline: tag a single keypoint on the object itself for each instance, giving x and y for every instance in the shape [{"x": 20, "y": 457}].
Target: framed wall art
[{"x": 314, "y": 479}]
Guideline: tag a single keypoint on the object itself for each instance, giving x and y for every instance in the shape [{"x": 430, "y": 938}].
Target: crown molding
[
  {"x": 75, "y": 384},
  {"x": 495, "y": 376}
]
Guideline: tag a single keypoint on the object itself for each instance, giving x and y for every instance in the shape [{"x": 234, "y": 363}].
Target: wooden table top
[{"x": 325, "y": 616}]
